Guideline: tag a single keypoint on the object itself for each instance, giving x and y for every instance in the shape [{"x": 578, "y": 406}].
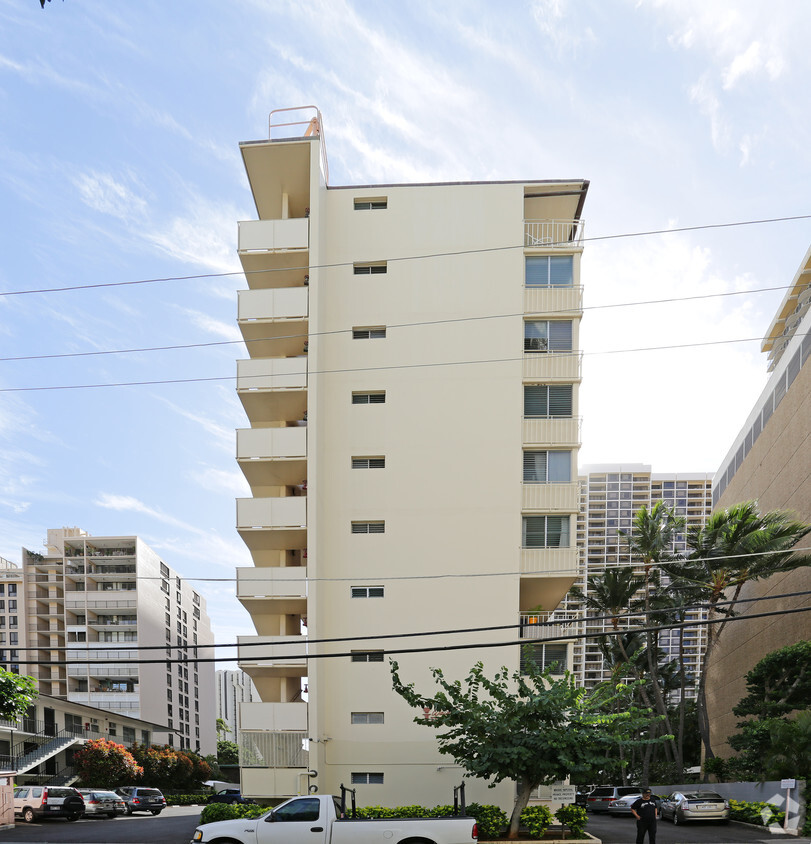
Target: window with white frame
[
  {"x": 367, "y": 656},
  {"x": 367, "y": 591},
  {"x": 547, "y": 467},
  {"x": 368, "y": 527},
  {"x": 362, "y": 778},
  {"x": 545, "y": 532},
  {"x": 375, "y": 203},
  {"x": 548, "y": 335},
  {"x": 367, "y": 718},
  {"x": 373, "y": 397},
  {"x": 370, "y": 333},
  {"x": 368, "y": 462},
  {"x": 549, "y": 271},
  {"x": 542, "y": 401},
  {"x": 378, "y": 268}
]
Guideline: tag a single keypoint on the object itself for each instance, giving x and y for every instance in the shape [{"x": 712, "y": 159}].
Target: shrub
[
  {"x": 185, "y": 799},
  {"x": 230, "y": 811},
  {"x": 536, "y": 819},
  {"x": 760, "y": 814},
  {"x": 490, "y": 819},
  {"x": 573, "y": 817}
]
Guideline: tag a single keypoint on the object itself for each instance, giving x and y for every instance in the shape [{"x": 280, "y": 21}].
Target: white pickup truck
[{"x": 322, "y": 819}]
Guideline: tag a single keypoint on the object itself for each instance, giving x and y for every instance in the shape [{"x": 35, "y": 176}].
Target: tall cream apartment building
[
  {"x": 12, "y": 615},
  {"x": 611, "y": 494},
  {"x": 769, "y": 461},
  {"x": 112, "y": 598},
  {"x": 412, "y": 400}
]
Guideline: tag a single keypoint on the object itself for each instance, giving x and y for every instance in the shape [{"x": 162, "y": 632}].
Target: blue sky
[{"x": 119, "y": 161}]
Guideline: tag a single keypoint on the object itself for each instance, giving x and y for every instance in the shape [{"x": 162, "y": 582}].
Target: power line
[
  {"x": 306, "y": 657},
  {"x": 304, "y": 268}
]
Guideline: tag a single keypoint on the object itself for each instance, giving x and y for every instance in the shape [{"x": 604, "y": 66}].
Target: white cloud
[
  {"x": 221, "y": 481},
  {"x": 225, "y": 330},
  {"x": 104, "y": 193}
]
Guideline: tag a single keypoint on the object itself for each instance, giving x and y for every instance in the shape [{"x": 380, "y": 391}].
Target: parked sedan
[
  {"x": 622, "y": 805},
  {"x": 599, "y": 799},
  {"x": 102, "y": 802},
  {"x": 684, "y": 806}
]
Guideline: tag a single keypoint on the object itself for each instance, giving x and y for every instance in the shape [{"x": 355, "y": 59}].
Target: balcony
[
  {"x": 547, "y": 574},
  {"x": 552, "y": 497},
  {"x": 272, "y": 456},
  {"x": 273, "y": 716},
  {"x": 541, "y": 626},
  {"x": 273, "y": 590},
  {"x": 274, "y": 321},
  {"x": 553, "y": 234},
  {"x": 565, "y": 366},
  {"x": 272, "y": 656},
  {"x": 272, "y": 523},
  {"x": 273, "y": 235},
  {"x": 273, "y": 389},
  {"x": 552, "y": 431},
  {"x": 553, "y": 301}
]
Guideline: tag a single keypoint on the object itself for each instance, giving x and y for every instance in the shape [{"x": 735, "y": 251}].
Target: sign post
[{"x": 788, "y": 784}]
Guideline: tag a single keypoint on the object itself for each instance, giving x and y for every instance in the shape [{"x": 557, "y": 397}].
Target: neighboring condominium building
[
  {"x": 769, "y": 461},
  {"x": 102, "y": 604},
  {"x": 610, "y": 497},
  {"x": 12, "y": 615},
  {"x": 233, "y": 688},
  {"x": 412, "y": 394}
]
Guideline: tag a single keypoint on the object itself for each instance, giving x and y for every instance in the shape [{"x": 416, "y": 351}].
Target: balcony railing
[
  {"x": 564, "y": 366},
  {"x": 272, "y": 750},
  {"x": 273, "y": 235},
  {"x": 540, "y": 626},
  {"x": 553, "y": 301},
  {"x": 552, "y": 431},
  {"x": 552, "y": 497},
  {"x": 553, "y": 234}
]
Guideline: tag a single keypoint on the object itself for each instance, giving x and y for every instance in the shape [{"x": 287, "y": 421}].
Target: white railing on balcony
[
  {"x": 563, "y": 366},
  {"x": 288, "y": 512},
  {"x": 272, "y": 582},
  {"x": 272, "y": 374},
  {"x": 273, "y": 235},
  {"x": 271, "y": 651},
  {"x": 545, "y": 626},
  {"x": 264, "y": 749},
  {"x": 272, "y": 443},
  {"x": 552, "y": 497},
  {"x": 553, "y": 301},
  {"x": 559, "y": 562},
  {"x": 287, "y": 303},
  {"x": 552, "y": 431},
  {"x": 553, "y": 234}
]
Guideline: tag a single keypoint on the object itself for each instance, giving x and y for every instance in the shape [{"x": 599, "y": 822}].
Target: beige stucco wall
[{"x": 777, "y": 472}]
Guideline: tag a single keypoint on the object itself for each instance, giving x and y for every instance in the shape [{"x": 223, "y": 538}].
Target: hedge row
[{"x": 760, "y": 814}]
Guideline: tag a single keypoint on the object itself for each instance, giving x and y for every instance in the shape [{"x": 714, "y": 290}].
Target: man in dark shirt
[{"x": 645, "y": 810}]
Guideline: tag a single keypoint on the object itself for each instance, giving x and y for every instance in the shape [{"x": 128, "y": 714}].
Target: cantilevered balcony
[
  {"x": 273, "y": 235},
  {"x": 551, "y": 498},
  {"x": 272, "y": 656},
  {"x": 273, "y": 590},
  {"x": 273, "y": 716},
  {"x": 273, "y": 389},
  {"x": 274, "y": 321},
  {"x": 558, "y": 431},
  {"x": 272, "y": 523},
  {"x": 559, "y": 302},
  {"x": 272, "y": 456},
  {"x": 563, "y": 366},
  {"x": 547, "y": 574}
]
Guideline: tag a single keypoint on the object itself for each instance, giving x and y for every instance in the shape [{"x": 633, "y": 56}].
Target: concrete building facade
[
  {"x": 12, "y": 615},
  {"x": 412, "y": 395},
  {"x": 101, "y": 604},
  {"x": 770, "y": 461},
  {"x": 233, "y": 689}
]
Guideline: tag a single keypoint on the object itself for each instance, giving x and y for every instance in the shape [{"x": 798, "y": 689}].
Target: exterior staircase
[{"x": 52, "y": 745}]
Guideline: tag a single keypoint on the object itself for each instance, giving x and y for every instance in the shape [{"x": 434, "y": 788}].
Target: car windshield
[
  {"x": 148, "y": 792},
  {"x": 703, "y": 795}
]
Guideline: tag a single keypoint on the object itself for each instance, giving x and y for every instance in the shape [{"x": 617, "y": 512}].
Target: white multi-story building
[
  {"x": 233, "y": 689},
  {"x": 105, "y": 606},
  {"x": 611, "y": 494},
  {"x": 412, "y": 399},
  {"x": 12, "y": 615}
]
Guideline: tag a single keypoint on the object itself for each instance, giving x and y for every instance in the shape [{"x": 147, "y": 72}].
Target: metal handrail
[{"x": 315, "y": 127}]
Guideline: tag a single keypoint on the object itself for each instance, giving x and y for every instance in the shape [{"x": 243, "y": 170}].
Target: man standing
[{"x": 645, "y": 810}]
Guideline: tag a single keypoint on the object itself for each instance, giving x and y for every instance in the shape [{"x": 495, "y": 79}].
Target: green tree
[
  {"x": 222, "y": 728},
  {"x": 789, "y": 751},
  {"x": 100, "y": 762},
  {"x": 779, "y": 683},
  {"x": 227, "y": 753},
  {"x": 735, "y": 547},
  {"x": 17, "y": 693},
  {"x": 533, "y": 728}
]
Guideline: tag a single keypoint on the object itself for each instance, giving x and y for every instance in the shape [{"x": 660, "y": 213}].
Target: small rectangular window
[
  {"x": 367, "y": 592},
  {"x": 370, "y": 269},
  {"x": 542, "y": 335},
  {"x": 549, "y": 271},
  {"x": 368, "y": 462},
  {"x": 377, "y": 203},
  {"x": 368, "y": 527},
  {"x": 543, "y": 401},
  {"x": 367, "y": 718},
  {"x": 377, "y": 333},
  {"x": 376, "y": 397},
  {"x": 367, "y": 656},
  {"x": 366, "y": 779},
  {"x": 547, "y": 467}
]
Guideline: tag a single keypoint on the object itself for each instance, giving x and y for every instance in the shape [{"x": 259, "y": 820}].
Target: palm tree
[{"x": 735, "y": 547}]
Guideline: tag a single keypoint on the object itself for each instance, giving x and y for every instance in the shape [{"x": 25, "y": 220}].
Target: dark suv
[
  {"x": 142, "y": 799},
  {"x": 228, "y": 795}
]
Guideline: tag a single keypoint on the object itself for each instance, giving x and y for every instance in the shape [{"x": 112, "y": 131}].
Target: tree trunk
[{"x": 520, "y": 804}]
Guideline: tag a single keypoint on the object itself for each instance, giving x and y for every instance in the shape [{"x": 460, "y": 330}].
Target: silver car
[
  {"x": 99, "y": 801},
  {"x": 684, "y": 806}
]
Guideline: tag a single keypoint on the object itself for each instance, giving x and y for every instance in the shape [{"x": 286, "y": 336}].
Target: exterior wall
[
  {"x": 12, "y": 615},
  {"x": 103, "y": 598},
  {"x": 450, "y": 498},
  {"x": 611, "y": 496},
  {"x": 233, "y": 689},
  {"x": 777, "y": 473}
]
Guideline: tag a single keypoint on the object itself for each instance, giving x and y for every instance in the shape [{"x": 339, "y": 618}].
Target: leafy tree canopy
[
  {"x": 533, "y": 728},
  {"x": 779, "y": 683},
  {"x": 17, "y": 693},
  {"x": 101, "y": 762},
  {"x": 227, "y": 753}
]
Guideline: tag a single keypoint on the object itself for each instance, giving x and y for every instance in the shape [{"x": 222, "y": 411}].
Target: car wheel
[
  {"x": 28, "y": 814},
  {"x": 129, "y": 810},
  {"x": 156, "y": 811},
  {"x": 676, "y": 819},
  {"x": 111, "y": 814}
]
